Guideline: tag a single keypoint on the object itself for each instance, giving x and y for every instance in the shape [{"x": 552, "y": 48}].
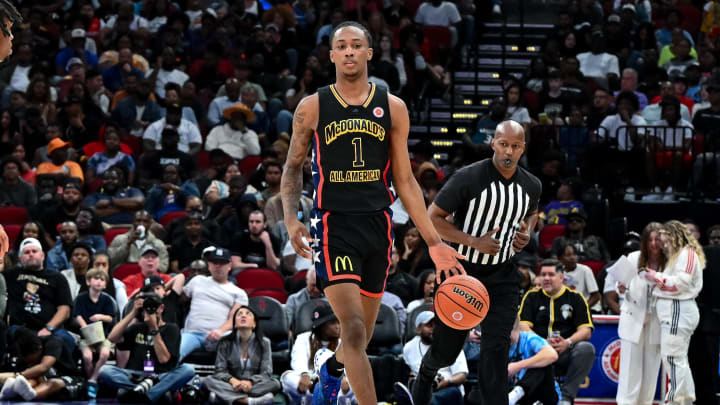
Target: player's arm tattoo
[{"x": 291, "y": 185}]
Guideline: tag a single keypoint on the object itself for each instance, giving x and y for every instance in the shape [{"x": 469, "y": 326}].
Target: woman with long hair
[
  {"x": 116, "y": 288},
  {"x": 426, "y": 288},
  {"x": 677, "y": 286},
  {"x": 243, "y": 366},
  {"x": 91, "y": 230},
  {"x": 415, "y": 256},
  {"x": 515, "y": 108},
  {"x": 38, "y": 95},
  {"x": 30, "y": 229},
  {"x": 324, "y": 335},
  {"x": 639, "y": 329},
  {"x": 389, "y": 65}
]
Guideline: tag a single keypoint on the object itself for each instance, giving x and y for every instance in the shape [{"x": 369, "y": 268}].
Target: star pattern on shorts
[
  {"x": 314, "y": 221},
  {"x": 316, "y": 257}
]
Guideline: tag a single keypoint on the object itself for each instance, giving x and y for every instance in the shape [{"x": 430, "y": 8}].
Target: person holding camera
[
  {"x": 128, "y": 247},
  {"x": 448, "y": 383},
  {"x": 151, "y": 370}
]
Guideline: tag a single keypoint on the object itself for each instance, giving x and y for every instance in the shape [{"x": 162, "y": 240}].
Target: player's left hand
[
  {"x": 446, "y": 261},
  {"x": 521, "y": 238}
]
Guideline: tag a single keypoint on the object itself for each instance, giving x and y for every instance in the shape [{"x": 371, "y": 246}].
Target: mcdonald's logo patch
[{"x": 344, "y": 262}]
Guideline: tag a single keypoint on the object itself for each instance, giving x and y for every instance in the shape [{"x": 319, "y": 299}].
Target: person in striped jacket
[{"x": 677, "y": 286}]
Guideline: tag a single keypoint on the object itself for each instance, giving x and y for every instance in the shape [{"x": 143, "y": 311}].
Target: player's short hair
[
  {"x": 355, "y": 24},
  {"x": 7, "y": 10}
]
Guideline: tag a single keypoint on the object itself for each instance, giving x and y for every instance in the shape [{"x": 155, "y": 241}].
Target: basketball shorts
[{"x": 352, "y": 248}]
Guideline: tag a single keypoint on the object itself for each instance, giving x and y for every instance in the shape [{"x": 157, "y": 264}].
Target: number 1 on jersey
[{"x": 357, "y": 144}]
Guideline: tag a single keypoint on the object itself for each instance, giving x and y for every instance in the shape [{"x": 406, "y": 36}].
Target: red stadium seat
[
  {"x": 13, "y": 215},
  {"x": 595, "y": 265},
  {"x": 548, "y": 235},
  {"x": 111, "y": 233},
  {"x": 279, "y": 295},
  {"x": 170, "y": 216},
  {"x": 300, "y": 275},
  {"x": 12, "y": 231},
  {"x": 248, "y": 165},
  {"x": 436, "y": 39},
  {"x": 260, "y": 279},
  {"x": 124, "y": 270}
]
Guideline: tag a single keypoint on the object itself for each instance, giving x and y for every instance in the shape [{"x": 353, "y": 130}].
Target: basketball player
[
  {"x": 356, "y": 130},
  {"x": 494, "y": 204},
  {"x": 8, "y": 16}
]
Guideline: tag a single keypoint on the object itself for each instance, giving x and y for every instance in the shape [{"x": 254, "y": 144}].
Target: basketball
[{"x": 461, "y": 302}]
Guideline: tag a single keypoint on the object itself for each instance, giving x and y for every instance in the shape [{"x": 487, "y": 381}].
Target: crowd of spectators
[{"x": 144, "y": 143}]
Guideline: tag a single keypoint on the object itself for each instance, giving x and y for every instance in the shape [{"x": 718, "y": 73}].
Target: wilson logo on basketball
[{"x": 478, "y": 305}]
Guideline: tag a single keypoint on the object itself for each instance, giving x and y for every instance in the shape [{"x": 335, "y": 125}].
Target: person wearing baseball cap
[
  {"x": 321, "y": 340},
  {"x": 447, "y": 385},
  {"x": 59, "y": 164},
  {"x": 587, "y": 247},
  {"x": 75, "y": 50},
  {"x": 213, "y": 301},
  {"x": 38, "y": 298},
  {"x": 149, "y": 262}
]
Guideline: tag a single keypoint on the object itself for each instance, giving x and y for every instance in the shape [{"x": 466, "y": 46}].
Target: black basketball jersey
[{"x": 351, "y": 153}]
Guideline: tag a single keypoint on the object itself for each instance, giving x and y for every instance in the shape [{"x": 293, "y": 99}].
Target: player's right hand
[
  {"x": 487, "y": 244},
  {"x": 296, "y": 232}
]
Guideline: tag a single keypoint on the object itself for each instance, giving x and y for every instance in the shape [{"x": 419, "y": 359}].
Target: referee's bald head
[{"x": 509, "y": 127}]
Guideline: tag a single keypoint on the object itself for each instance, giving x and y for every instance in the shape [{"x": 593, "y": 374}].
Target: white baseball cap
[
  {"x": 77, "y": 33},
  {"x": 423, "y": 318},
  {"x": 27, "y": 242}
]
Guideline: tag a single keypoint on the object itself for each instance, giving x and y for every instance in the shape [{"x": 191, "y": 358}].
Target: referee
[{"x": 494, "y": 203}]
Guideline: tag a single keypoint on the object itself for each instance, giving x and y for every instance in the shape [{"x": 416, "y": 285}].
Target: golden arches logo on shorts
[{"x": 343, "y": 261}]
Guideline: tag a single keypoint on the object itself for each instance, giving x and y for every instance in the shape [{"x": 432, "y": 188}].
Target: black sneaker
[{"x": 402, "y": 394}]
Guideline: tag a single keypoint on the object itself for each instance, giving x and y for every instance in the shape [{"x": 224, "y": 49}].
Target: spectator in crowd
[
  {"x": 139, "y": 99},
  {"x": 598, "y": 63},
  {"x": 98, "y": 93},
  {"x": 629, "y": 82},
  {"x": 38, "y": 299},
  {"x": 296, "y": 300},
  {"x": 556, "y": 211},
  {"x": 425, "y": 290},
  {"x": 653, "y": 112},
  {"x": 115, "y": 76},
  {"x": 673, "y": 19},
  {"x": 234, "y": 137},
  {"x": 114, "y": 287},
  {"x": 587, "y": 247},
  {"x": 600, "y": 109},
  {"x": 714, "y": 235},
  {"x": 165, "y": 72},
  {"x": 273, "y": 174},
  {"x": 92, "y": 306},
  {"x": 681, "y": 60},
  {"x": 530, "y": 369},
  {"x": 14, "y": 190},
  {"x": 213, "y": 302},
  {"x": 440, "y": 13},
  {"x": 48, "y": 369},
  {"x": 515, "y": 109},
  {"x": 51, "y": 211},
  {"x": 323, "y": 337},
  {"x": 30, "y": 229},
  {"x": 116, "y": 201},
  {"x": 189, "y": 141},
  {"x": 250, "y": 382},
  {"x": 128, "y": 247},
  {"x": 448, "y": 383},
  {"x": 153, "y": 163},
  {"x": 52, "y": 131},
  {"x": 100, "y": 162},
  {"x": 706, "y": 123},
  {"x": 171, "y": 193},
  {"x": 218, "y": 105},
  {"x": 154, "y": 348},
  {"x": 415, "y": 257},
  {"x": 58, "y": 258},
  {"x": 190, "y": 244},
  {"x": 90, "y": 230},
  {"x": 399, "y": 282},
  {"x": 210, "y": 228},
  {"x": 639, "y": 326},
  {"x": 59, "y": 164},
  {"x": 81, "y": 256},
  {"x": 256, "y": 245},
  {"x": 568, "y": 333},
  {"x": 580, "y": 278}
]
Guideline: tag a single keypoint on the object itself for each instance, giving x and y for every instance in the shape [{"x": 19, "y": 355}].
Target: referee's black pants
[{"x": 502, "y": 287}]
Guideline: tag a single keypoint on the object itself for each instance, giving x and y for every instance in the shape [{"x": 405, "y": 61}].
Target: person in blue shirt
[
  {"x": 115, "y": 202},
  {"x": 530, "y": 369}
]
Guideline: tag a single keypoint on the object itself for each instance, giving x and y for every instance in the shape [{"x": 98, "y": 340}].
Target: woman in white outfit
[
  {"x": 676, "y": 289},
  {"x": 639, "y": 329},
  {"x": 324, "y": 337}
]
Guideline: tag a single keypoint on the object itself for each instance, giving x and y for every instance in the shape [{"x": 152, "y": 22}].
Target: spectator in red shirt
[{"x": 149, "y": 263}]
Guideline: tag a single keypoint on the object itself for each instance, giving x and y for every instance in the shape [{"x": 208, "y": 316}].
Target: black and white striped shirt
[{"x": 481, "y": 199}]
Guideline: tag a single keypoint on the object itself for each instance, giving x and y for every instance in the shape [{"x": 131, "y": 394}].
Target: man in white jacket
[{"x": 234, "y": 137}]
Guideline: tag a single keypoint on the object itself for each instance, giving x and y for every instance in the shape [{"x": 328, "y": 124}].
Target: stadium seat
[
  {"x": 125, "y": 270},
  {"x": 300, "y": 275},
  {"x": 255, "y": 279},
  {"x": 248, "y": 165},
  {"x": 271, "y": 315},
  {"x": 278, "y": 294},
  {"x": 437, "y": 40},
  {"x": 13, "y": 215},
  {"x": 111, "y": 233},
  {"x": 170, "y": 216},
  {"x": 595, "y": 265},
  {"x": 410, "y": 325},
  {"x": 304, "y": 315},
  {"x": 12, "y": 231},
  {"x": 387, "y": 330},
  {"x": 548, "y": 235}
]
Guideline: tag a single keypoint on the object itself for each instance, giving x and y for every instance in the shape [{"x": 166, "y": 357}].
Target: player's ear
[{"x": 370, "y": 54}]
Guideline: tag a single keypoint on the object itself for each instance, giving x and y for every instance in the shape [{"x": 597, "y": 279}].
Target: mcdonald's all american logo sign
[{"x": 611, "y": 360}]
